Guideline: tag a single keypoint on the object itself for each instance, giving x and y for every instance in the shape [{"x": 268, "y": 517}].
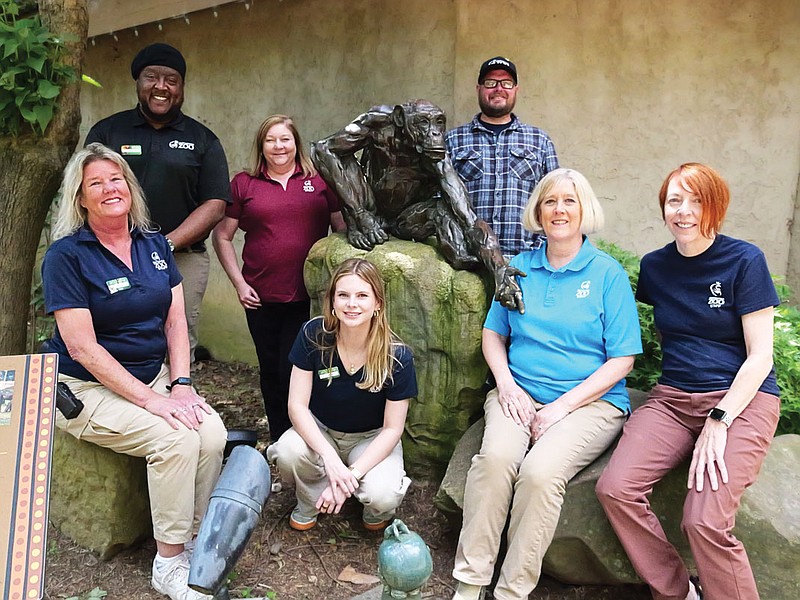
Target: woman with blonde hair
[
  {"x": 284, "y": 207},
  {"x": 112, "y": 284},
  {"x": 560, "y": 399},
  {"x": 351, "y": 383}
]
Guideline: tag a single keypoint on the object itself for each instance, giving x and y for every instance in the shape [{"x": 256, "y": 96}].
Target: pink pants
[{"x": 658, "y": 437}]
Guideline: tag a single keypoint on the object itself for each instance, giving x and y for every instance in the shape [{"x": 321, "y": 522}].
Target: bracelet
[
  {"x": 356, "y": 473},
  {"x": 180, "y": 381},
  {"x": 171, "y": 244}
]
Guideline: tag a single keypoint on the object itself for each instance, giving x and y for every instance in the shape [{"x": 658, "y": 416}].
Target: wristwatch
[
  {"x": 180, "y": 381},
  {"x": 717, "y": 414}
]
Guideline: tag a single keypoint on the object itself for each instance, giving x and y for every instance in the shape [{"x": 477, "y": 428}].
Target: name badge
[
  {"x": 331, "y": 373},
  {"x": 117, "y": 285},
  {"x": 131, "y": 150}
]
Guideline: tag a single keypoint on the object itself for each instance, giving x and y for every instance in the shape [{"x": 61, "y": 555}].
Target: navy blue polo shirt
[
  {"x": 128, "y": 307},
  {"x": 179, "y": 166},
  {"x": 342, "y": 406}
]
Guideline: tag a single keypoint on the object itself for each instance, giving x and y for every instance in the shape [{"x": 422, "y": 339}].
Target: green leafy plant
[
  {"x": 786, "y": 353},
  {"x": 31, "y": 72}
]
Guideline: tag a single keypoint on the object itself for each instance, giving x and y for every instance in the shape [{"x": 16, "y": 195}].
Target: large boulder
[
  {"x": 585, "y": 549},
  {"x": 98, "y": 498},
  {"x": 439, "y": 313}
]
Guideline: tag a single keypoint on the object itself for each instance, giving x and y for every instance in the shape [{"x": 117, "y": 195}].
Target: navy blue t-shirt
[
  {"x": 698, "y": 303},
  {"x": 342, "y": 406},
  {"x": 128, "y": 308}
]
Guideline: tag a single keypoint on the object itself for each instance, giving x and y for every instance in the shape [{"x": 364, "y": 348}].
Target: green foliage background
[
  {"x": 31, "y": 74},
  {"x": 786, "y": 354}
]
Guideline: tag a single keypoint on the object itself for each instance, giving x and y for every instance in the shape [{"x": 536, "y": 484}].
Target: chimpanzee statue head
[{"x": 423, "y": 125}]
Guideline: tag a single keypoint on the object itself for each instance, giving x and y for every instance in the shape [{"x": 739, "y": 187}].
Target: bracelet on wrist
[{"x": 180, "y": 381}]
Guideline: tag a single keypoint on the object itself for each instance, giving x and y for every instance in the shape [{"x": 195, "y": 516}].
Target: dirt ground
[{"x": 280, "y": 563}]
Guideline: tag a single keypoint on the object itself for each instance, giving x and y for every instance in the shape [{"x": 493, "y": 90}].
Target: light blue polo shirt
[{"x": 576, "y": 318}]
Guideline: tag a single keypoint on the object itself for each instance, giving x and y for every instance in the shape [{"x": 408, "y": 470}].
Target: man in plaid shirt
[{"x": 499, "y": 158}]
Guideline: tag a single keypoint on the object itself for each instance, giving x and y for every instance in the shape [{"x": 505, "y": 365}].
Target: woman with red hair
[{"x": 716, "y": 401}]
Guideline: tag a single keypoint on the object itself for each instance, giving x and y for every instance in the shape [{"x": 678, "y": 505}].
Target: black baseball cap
[{"x": 498, "y": 63}]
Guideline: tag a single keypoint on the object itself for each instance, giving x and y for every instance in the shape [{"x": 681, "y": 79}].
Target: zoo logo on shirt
[
  {"x": 158, "y": 262},
  {"x": 715, "y": 300},
  {"x": 308, "y": 186},
  {"x": 583, "y": 291},
  {"x": 175, "y": 144}
]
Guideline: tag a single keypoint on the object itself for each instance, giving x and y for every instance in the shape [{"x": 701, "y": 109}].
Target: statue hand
[
  {"x": 507, "y": 290},
  {"x": 368, "y": 232}
]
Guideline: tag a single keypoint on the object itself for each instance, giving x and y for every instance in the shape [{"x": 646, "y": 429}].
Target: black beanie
[{"x": 159, "y": 54}]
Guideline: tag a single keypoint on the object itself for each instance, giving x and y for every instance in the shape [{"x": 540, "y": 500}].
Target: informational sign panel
[{"x": 27, "y": 418}]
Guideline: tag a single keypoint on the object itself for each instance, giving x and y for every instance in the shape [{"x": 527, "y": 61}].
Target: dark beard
[
  {"x": 167, "y": 117},
  {"x": 495, "y": 113}
]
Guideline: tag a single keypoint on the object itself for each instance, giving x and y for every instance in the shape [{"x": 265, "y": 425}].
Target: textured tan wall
[{"x": 627, "y": 90}]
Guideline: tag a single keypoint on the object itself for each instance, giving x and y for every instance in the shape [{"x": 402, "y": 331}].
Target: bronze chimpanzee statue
[{"x": 405, "y": 184}]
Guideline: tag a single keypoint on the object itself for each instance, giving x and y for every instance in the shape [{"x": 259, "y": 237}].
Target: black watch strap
[{"x": 180, "y": 381}]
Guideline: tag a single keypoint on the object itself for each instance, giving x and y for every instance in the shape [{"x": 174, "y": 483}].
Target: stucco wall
[{"x": 627, "y": 89}]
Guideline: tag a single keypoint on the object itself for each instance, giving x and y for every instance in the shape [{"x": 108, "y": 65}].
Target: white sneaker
[
  {"x": 466, "y": 591},
  {"x": 172, "y": 580}
]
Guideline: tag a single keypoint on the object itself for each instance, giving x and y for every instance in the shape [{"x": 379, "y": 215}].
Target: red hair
[{"x": 706, "y": 184}]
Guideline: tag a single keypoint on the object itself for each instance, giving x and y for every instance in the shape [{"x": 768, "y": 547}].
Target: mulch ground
[{"x": 280, "y": 563}]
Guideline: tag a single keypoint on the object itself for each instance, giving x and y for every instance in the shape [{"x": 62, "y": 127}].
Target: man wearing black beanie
[{"x": 179, "y": 162}]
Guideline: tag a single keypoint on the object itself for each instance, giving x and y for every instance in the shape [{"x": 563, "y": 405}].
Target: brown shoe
[
  {"x": 298, "y": 523},
  {"x": 379, "y": 526}
]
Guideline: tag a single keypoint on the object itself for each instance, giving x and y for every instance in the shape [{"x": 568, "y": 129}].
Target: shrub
[
  {"x": 31, "y": 73},
  {"x": 786, "y": 354}
]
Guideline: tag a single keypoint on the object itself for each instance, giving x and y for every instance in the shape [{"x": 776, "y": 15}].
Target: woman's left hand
[
  {"x": 188, "y": 406},
  {"x": 546, "y": 417},
  {"x": 708, "y": 456},
  {"x": 331, "y": 500}
]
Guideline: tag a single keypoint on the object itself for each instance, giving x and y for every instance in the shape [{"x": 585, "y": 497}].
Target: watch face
[{"x": 717, "y": 414}]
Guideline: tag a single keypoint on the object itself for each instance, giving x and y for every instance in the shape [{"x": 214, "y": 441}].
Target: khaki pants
[
  {"x": 506, "y": 474},
  {"x": 381, "y": 490},
  {"x": 659, "y": 436},
  {"x": 194, "y": 268},
  {"x": 182, "y": 465}
]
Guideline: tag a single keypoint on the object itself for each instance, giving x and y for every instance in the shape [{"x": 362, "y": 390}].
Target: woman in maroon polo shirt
[{"x": 284, "y": 207}]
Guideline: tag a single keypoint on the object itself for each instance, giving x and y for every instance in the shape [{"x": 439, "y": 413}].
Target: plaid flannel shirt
[{"x": 500, "y": 172}]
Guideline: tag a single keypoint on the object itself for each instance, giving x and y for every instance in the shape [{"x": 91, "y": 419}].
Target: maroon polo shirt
[{"x": 280, "y": 227}]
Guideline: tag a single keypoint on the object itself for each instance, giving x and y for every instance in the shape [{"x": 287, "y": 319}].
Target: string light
[
  {"x": 186, "y": 18},
  {"x": 136, "y": 31},
  {"x": 160, "y": 26}
]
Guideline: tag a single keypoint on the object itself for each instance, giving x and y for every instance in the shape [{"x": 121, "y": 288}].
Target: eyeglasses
[{"x": 506, "y": 84}]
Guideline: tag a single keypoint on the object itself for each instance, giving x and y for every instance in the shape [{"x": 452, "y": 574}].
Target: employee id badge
[
  {"x": 118, "y": 285},
  {"x": 326, "y": 374},
  {"x": 131, "y": 150}
]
